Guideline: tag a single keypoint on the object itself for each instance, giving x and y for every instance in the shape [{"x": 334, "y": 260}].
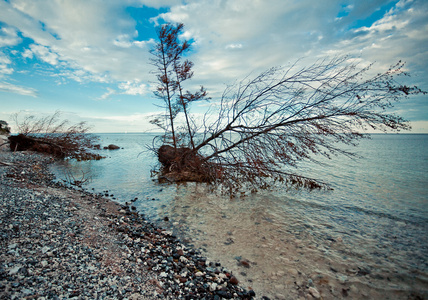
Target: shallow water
[{"x": 366, "y": 238}]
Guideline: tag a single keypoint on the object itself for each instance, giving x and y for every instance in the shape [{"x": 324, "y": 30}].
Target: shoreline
[{"x": 58, "y": 242}]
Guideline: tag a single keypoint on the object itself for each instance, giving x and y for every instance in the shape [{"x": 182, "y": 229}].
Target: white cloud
[
  {"x": 127, "y": 88},
  {"x": 5, "y": 70},
  {"x": 4, "y": 60},
  {"x": 234, "y": 46},
  {"x": 27, "y": 54},
  {"x": 45, "y": 54},
  {"x": 133, "y": 88},
  {"x": 123, "y": 40},
  {"x": 9, "y": 37},
  {"x": 4, "y": 65},
  {"x": 283, "y": 31},
  {"x": 21, "y": 90},
  {"x": 399, "y": 35},
  {"x": 96, "y": 36},
  {"x": 95, "y": 41},
  {"x": 159, "y": 3},
  {"x": 144, "y": 44},
  {"x": 107, "y": 94}
]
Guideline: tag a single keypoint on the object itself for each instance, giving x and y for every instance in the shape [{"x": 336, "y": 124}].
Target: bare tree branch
[
  {"x": 268, "y": 124},
  {"x": 54, "y": 136}
]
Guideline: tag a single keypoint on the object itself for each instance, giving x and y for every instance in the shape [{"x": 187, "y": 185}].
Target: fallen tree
[
  {"x": 265, "y": 126},
  {"x": 53, "y": 136}
]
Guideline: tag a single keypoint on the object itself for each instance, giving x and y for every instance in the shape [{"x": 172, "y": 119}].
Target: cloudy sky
[{"x": 90, "y": 58}]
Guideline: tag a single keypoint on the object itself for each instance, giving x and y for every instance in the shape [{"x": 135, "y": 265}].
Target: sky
[{"x": 90, "y": 59}]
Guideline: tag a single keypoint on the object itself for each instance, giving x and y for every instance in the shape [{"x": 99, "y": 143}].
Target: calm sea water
[{"x": 375, "y": 219}]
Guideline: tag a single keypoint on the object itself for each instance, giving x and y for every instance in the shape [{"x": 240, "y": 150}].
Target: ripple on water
[{"x": 285, "y": 249}]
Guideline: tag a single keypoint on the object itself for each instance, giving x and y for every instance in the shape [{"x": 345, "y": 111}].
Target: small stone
[
  {"x": 244, "y": 263},
  {"x": 229, "y": 241},
  {"x": 342, "y": 278},
  {"x": 12, "y": 246},
  {"x": 27, "y": 292},
  {"x": 233, "y": 280},
  {"x": 314, "y": 292},
  {"x": 199, "y": 274},
  {"x": 213, "y": 287},
  {"x": 44, "y": 263},
  {"x": 14, "y": 270},
  {"x": 293, "y": 272}
]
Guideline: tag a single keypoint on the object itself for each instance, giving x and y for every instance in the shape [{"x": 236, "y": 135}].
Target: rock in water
[{"x": 112, "y": 147}]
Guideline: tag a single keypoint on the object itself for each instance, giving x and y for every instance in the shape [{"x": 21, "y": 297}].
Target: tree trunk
[{"x": 25, "y": 143}]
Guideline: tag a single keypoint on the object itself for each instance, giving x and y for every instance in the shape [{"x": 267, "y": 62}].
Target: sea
[{"x": 367, "y": 238}]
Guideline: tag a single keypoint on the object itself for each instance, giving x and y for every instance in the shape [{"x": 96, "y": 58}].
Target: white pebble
[
  {"x": 213, "y": 287},
  {"x": 14, "y": 270},
  {"x": 313, "y": 291}
]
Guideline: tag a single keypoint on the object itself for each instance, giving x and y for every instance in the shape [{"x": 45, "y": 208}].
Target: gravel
[{"x": 61, "y": 243}]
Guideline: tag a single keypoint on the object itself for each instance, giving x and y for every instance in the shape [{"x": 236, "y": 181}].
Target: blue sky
[{"x": 90, "y": 58}]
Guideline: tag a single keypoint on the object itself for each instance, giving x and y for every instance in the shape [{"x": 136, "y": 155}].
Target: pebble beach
[{"x": 62, "y": 243}]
